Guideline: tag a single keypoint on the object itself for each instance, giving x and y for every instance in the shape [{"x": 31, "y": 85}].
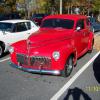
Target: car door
[
  {"x": 80, "y": 36},
  {"x": 87, "y": 31}
]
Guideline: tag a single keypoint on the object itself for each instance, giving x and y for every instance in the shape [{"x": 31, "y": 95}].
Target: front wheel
[{"x": 68, "y": 67}]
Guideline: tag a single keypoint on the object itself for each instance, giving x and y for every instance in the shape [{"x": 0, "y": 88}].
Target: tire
[
  {"x": 1, "y": 51},
  {"x": 90, "y": 51},
  {"x": 68, "y": 67}
]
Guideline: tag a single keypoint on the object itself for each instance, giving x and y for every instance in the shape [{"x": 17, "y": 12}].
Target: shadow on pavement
[
  {"x": 76, "y": 93},
  {"x": 96, "y": 68}
]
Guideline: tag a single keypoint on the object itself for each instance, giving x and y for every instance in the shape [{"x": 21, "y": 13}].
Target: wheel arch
[
  {"x": 91, "y": 39},
  {"x": 70, "y": 52},
  {"x": 74, "y": 55}
]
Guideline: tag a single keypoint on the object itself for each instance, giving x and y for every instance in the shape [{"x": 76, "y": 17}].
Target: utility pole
[
  {"x": 88, "y": 7},
  {"x": 60, "y": 10}
]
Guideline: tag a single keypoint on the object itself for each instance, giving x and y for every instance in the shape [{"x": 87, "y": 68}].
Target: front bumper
[{"x": 53, "y": 72}]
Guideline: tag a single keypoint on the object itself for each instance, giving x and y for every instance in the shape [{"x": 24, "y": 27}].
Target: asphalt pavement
[
  {"x": 87, "y": 85},
  {"x": 19, "y": 85}
]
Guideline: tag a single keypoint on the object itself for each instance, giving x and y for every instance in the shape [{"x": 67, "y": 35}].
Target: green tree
[
  {"x": 11, "y": 4},
  {"x": 96, "y": 5}
]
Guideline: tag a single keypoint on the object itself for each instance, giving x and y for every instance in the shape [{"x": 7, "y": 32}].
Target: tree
[
  {"x": 10, "y": 5},
  {"x": 96, "y": 6}
]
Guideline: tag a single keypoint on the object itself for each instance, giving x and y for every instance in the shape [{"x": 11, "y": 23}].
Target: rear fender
[{"x": 91, "y": 39}]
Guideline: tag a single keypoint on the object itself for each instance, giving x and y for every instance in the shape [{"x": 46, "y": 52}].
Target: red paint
[{"x": 47, "y": 40}]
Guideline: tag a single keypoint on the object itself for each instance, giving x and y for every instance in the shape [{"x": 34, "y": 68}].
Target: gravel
[{"x": 97, "y": 42}]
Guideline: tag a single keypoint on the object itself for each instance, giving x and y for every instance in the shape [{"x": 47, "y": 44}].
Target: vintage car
[
  {"x": 55, "y": 48},
  {"x": 14, "y": 30}
]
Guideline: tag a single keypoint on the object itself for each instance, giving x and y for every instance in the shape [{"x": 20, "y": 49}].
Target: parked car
[
  {"x": 12, "y": 31},
  {"x": 55, "y": 48},
  {"x": 13, "y": 16},
  {"x": 2, "y": 17},
  {"x": 38, "y": 18},
  {"x": 9, "y": 16},
  {"x": 95, "y": 25}
]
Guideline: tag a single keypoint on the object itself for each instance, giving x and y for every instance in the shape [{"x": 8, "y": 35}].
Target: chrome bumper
[{"x": 54, "y": 72}]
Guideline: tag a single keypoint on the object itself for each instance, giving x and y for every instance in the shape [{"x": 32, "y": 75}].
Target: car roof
[
  {"x": 67, "y": 16},
  {"x": 15, "y": 21}
]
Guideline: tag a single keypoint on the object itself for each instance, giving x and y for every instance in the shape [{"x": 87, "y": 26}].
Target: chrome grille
[
  {"x": 33, "y": 60},
  {"x": 39, "y": 61},
  {"x": 22, "y": 59}
]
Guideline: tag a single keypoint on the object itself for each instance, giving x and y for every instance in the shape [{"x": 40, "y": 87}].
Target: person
[{"x": 77, "y": 10}]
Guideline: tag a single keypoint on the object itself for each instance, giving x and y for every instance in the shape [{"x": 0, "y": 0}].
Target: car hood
[
  {"x": 49, "y": 36},
  {"x": 43, "y": 41}
]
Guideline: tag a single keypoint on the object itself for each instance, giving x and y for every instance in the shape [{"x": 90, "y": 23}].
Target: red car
[{"x": 55, "y": 48}]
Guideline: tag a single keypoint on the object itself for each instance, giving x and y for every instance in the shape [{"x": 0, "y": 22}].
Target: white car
[{"x": 12, "y": 31}]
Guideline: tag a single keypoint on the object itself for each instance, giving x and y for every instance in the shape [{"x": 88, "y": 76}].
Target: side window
[
  {"x": 28, "y": 25},
  {"x": 80, "y": 24},
  {"x": 21, "y": 27}
]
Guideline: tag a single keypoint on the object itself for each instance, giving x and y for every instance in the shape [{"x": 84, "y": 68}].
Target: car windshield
[
  {"x": 6, "y": 26},
  {"x": 56, "y": 23}
]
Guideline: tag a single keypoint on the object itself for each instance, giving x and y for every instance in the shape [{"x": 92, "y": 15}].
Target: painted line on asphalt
[
  {"x": 71, "y": 81},
  {"x": 5, "y": 59}
]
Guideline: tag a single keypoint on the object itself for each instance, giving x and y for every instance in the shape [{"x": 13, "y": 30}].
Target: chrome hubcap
[{"x": 69, "y": 68}]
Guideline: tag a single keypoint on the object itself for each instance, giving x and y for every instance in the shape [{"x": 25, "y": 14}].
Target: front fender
[{"x": 65, "y": 53}]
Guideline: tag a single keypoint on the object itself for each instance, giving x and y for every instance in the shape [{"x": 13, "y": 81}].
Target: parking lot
[
  {"x": 53, "y": 47},
  {"x": 19, "y": 85}
]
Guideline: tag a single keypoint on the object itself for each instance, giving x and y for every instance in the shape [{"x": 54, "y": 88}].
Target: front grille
[
  {"x": 39, "y": 61},
  {"x": 22, "y": 59},
  {"x": 33, "y": 60}
]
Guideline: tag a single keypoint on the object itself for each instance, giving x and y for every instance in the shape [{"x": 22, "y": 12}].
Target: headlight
[
  {"x": 11, "y": 49},
  {"x": 56, "y": 55}
]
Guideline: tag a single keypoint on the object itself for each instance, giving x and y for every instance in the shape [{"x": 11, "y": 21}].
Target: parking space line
[
  {"x": 5, "y": 59},
  {"x": 71, "y": 81}
]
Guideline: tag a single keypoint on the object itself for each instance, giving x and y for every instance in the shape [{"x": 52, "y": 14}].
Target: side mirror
[{"x": 78, "y": 28}]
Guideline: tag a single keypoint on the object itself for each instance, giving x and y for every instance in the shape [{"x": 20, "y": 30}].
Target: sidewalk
[{"x": 97, "y": 42}]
